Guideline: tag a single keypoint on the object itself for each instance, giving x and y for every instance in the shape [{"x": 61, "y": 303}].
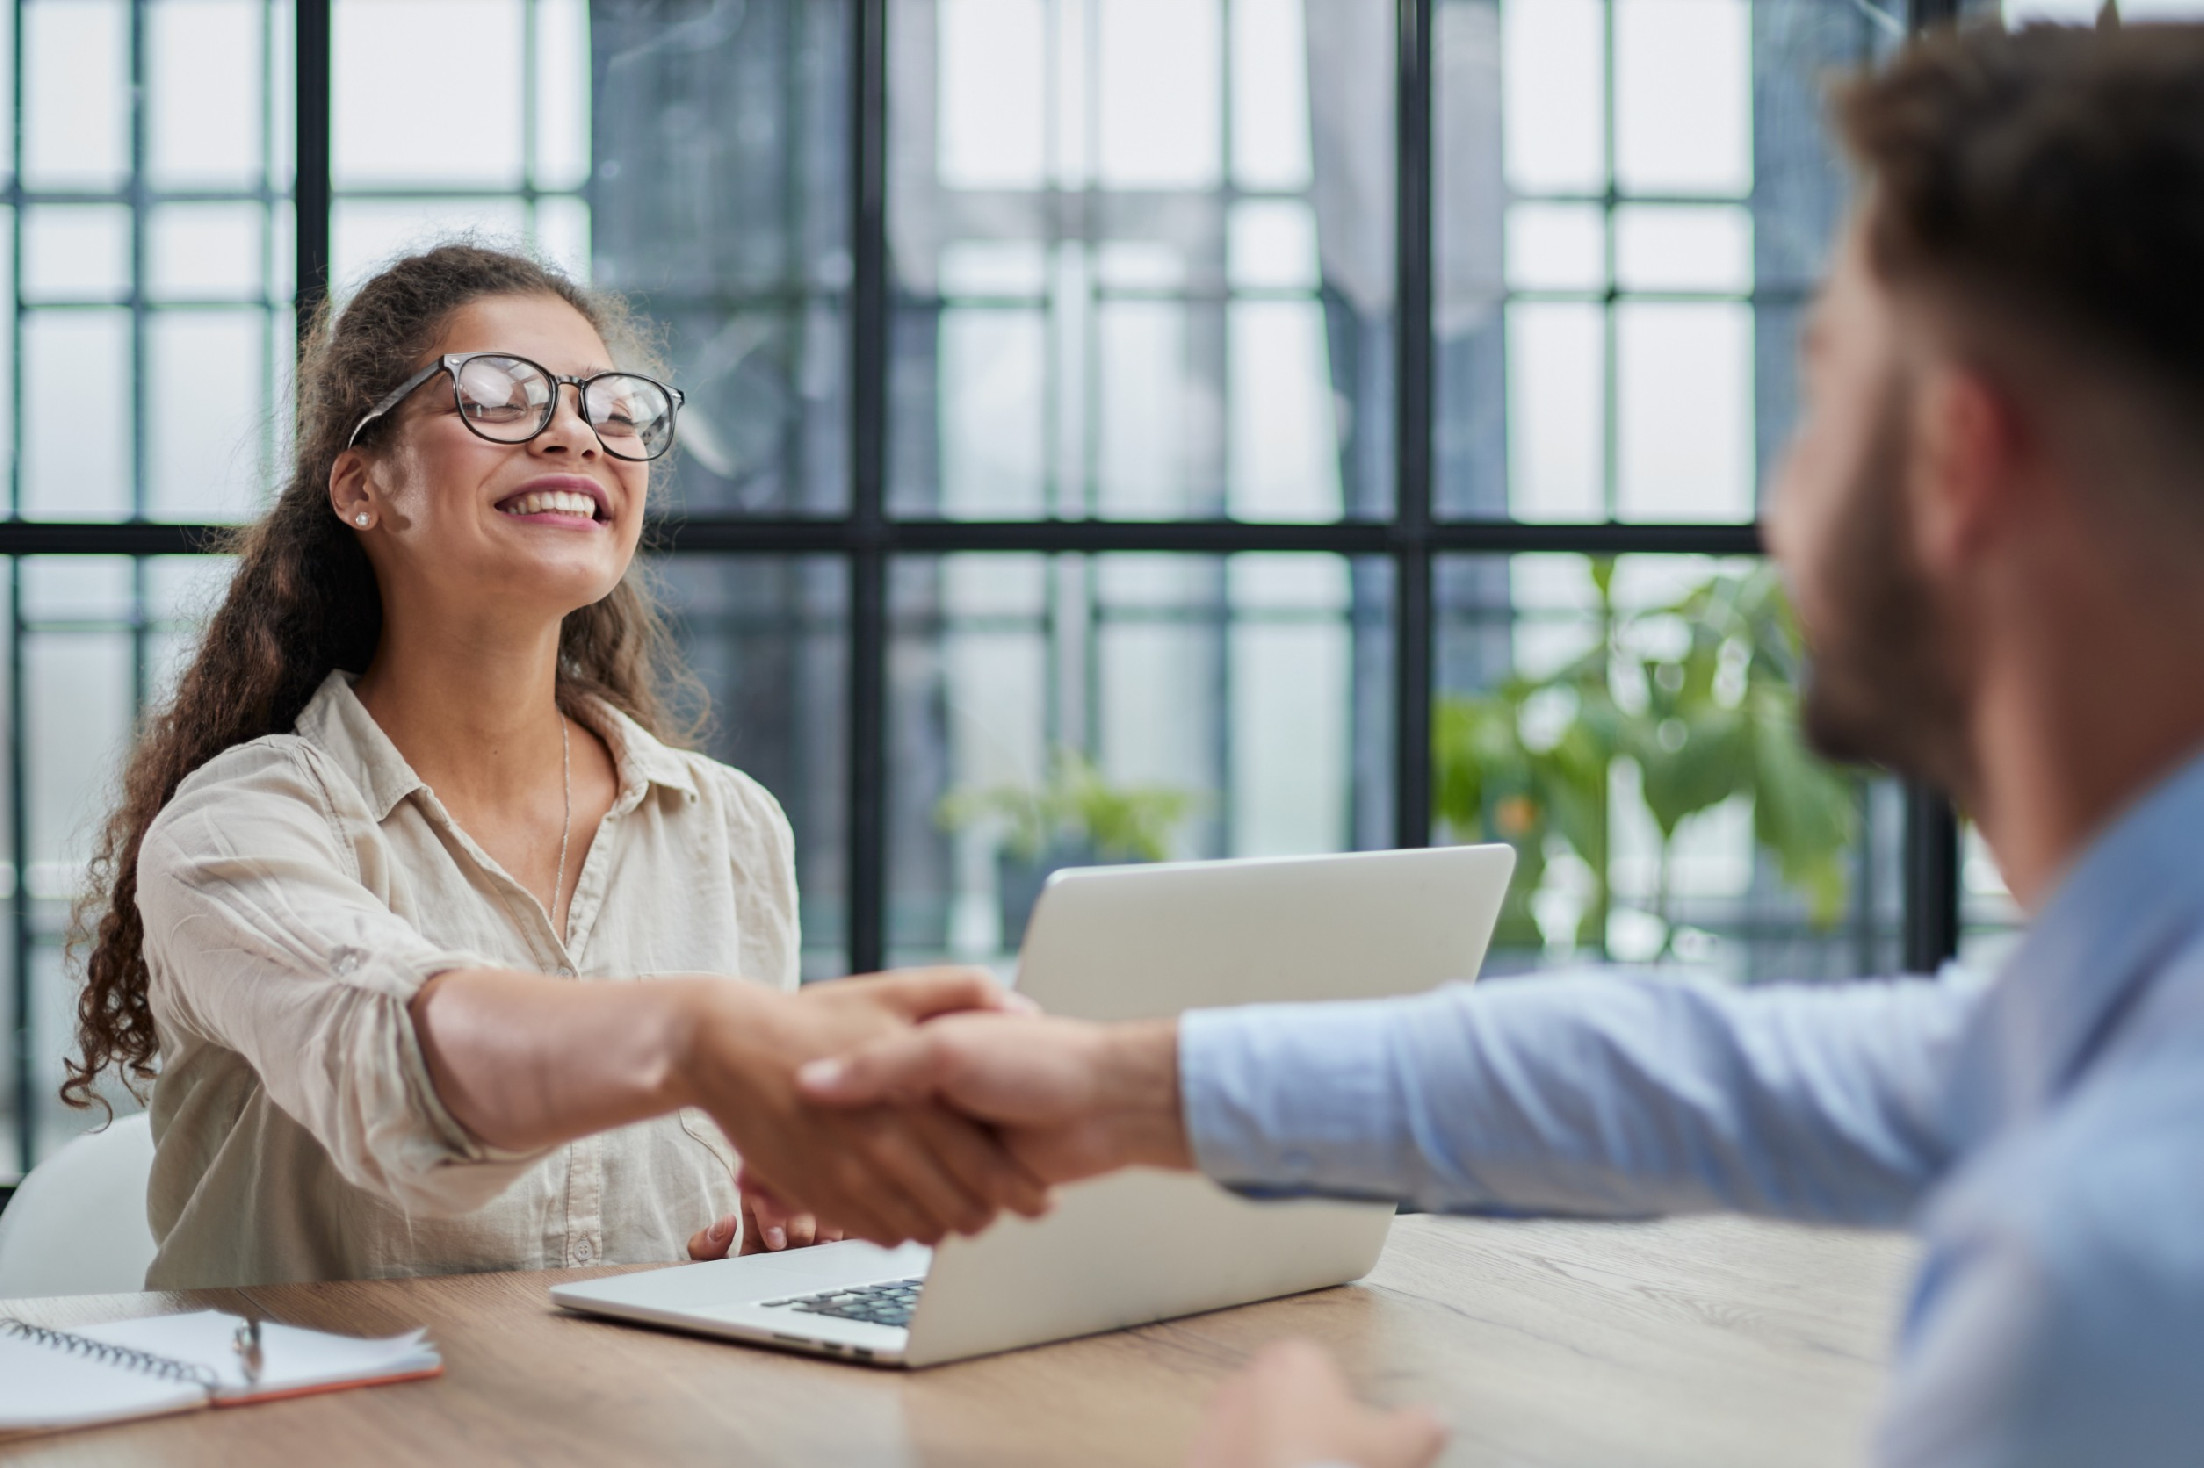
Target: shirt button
[
  {"x": 346, "y": 960},
  {"x": 584, "y": 1251},
  {"x": 566, "y": 971}
]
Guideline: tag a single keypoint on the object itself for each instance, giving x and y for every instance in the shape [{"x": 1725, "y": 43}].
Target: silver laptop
[{"x": 1122, "y": 943}]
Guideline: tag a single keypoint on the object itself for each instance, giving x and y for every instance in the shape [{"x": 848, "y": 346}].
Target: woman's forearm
[{"x": 523, "y": 1061}]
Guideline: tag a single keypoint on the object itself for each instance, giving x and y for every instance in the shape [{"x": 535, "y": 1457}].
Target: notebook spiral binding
[{"x": 144, "y": 1362}]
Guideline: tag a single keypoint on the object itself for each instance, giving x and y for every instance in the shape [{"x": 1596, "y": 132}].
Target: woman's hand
[
  {"x": 769, "y": 1227},
  {"x": 1292, "y": 1407},
  {"x": 766, "y": 1228}
]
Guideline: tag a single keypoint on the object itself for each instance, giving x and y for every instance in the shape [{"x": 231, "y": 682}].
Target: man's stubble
[{"x": 1881, "y": 685}]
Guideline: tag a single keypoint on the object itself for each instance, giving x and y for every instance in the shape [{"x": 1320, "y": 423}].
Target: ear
[
  {"x": 1966, "y": 479},
  {"x": 350, "y": 494}
]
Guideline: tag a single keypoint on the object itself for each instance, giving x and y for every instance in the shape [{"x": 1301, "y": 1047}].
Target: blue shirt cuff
[{"x": 1281, "y": 1099}]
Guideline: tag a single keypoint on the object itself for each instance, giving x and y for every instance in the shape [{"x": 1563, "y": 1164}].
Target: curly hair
[{"x": 304, "y": 601}]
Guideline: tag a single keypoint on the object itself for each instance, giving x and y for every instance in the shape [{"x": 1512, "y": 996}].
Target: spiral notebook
[{"x": 51, "y": 1380}]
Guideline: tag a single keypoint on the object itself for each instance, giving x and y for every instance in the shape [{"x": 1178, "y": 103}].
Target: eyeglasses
[{"x": 509, "y": 399}]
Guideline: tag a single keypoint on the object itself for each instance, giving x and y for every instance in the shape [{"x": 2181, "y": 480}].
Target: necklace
[{"x": 566, "y": 832}]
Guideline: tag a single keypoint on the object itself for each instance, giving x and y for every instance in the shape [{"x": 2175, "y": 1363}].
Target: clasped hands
[
  {"x": 915, "y": 1105},
  {"x": 920, "y": 1104}
]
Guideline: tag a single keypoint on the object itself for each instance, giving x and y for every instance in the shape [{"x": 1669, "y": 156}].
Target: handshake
[{"x": 921, "y": 1104}]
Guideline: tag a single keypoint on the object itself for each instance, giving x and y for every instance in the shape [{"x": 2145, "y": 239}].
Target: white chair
[{"x": 76, "y": 1225}]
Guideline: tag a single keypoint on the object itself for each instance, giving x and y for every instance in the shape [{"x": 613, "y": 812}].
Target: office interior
[{"x": 1211, "y": 412}]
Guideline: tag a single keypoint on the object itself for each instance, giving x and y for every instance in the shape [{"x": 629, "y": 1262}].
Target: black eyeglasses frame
[{"x": 452, "y": 362}]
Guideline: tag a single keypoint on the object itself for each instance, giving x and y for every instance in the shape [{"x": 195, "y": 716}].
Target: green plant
[
  {"x": 1075, "y": 804},
  {"x": 1702, "y": 696}
]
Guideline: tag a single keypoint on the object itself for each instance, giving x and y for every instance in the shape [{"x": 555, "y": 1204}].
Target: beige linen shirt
[{"x": 297, "y": 893}]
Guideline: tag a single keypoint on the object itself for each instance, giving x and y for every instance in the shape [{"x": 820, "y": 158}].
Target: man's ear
[{"x": 1966, "y": 479}]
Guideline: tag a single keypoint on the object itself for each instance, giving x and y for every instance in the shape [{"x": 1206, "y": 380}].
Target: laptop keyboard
[{"x": 890, "y": 1303}]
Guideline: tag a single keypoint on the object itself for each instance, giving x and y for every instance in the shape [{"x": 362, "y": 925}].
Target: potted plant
[
  {"x": 1073, "y": 817},
  {"x": 1713, "y": 719}
]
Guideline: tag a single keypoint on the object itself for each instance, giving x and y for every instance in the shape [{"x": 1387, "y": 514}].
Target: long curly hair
[{"x": 304, "y": 601}]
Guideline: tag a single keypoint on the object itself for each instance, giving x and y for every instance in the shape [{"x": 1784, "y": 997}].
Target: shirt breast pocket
[{"x": 705, "y": 1132}]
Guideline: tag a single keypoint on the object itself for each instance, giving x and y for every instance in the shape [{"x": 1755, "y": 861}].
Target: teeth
[{"x": 551, "y": 502}]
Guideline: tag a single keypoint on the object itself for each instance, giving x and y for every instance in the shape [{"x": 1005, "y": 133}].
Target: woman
[{"x": 407, "y": 897}]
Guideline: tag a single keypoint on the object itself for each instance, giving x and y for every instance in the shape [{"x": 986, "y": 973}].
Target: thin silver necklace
[{"x": 566, "y": 832}]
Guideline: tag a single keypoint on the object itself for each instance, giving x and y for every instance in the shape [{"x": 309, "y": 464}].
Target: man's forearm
[
  {"x": 524, "y": 1062},
  {"x": 1588, "y": 1094}
]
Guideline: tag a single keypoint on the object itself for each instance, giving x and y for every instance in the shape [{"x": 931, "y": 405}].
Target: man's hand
[
  {"x": 883, "y": 1174},
  {"x": 1071, "y": 1099},
  {"x": 1291, "y": 1407}
]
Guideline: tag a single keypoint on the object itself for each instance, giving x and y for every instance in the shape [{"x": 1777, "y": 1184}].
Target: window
[{"x": 1116, "y": 428}]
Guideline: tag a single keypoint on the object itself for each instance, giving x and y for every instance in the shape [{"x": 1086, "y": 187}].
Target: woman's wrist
[
  {"x": 521, "y": 1061},
  {"x": 704, "y": 1020}
]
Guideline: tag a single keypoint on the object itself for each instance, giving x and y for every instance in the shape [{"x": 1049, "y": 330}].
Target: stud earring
[{"x": 360, "y": 519}]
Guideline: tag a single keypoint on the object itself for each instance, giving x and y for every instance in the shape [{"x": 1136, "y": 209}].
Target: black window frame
[{"x": 867, "y": 536}]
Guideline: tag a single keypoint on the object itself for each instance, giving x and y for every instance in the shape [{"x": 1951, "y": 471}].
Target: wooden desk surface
[{"x": 1699, "y": 1343}]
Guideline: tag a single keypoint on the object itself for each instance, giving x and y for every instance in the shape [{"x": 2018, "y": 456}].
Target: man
[{"x": 1992, "y": 521}]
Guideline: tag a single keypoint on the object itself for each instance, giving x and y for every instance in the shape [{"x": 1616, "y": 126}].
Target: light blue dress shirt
[{"x": 2044, "y": 1134}]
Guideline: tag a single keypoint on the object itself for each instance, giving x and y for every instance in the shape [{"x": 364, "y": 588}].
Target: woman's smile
[{"x": 567, "y": 501}]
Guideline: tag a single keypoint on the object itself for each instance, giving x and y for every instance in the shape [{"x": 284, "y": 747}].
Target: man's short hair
[{"x": 2051, "y": 179}]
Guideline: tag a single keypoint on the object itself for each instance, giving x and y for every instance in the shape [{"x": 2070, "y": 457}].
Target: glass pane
[
  {"x": 721, "y": 200},
  {"x": 1208, "y": 331},
  {"x": 994, "y": 427},
  {"x": 1557, "y": 247},
  {"x": 76, "y": 252},
  {"x": 562, "y": 92},
  {"x": 1159, "y": 85},
  {"x": 76, "y": 415},
  {"x": 206, "y": 64},
  {"x": 78, "y": 713},
  {"x": 1692, "y": 250},
  {"x": 1630, "y": 727},
  {"x": 211, "y": 412},
  {"x": 367, "y": 234},
  {"x": 76, "y": 589},
  {"x": 200, "y": 252},
  {"x": 76, "y": 93},
  {"x": 1557, "y": 451},
  {"x": 428, "y": 92},
  {"x": 994, "y": 59},
  {"x": 1672, "y": 248},
  {"x": 1284, "y": 447},
  {"x": 1553, "y": 55},
  {"x": 182, "y": 594},
  {"x": 1271, "y": 146},
  {"x": 1683, "y": 96},
  {"x": 1683, "y": 384},
  {"x": 1053, "y": 711},
  {"x": 769, "y": 639}
]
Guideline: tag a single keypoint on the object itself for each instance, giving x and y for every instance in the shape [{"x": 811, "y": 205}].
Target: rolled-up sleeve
[{"x": 261, "y": 938}]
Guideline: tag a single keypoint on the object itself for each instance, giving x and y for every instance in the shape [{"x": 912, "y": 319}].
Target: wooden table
[{"x": 1698, "y": 1343}]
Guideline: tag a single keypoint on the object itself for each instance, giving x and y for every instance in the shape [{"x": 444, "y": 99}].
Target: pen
[{"x": 248, "y": 1349}]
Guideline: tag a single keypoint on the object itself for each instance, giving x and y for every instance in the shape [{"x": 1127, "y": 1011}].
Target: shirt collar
[
  {"x": 340, "y": 724},
  {"x": 2133, "y": 896}
]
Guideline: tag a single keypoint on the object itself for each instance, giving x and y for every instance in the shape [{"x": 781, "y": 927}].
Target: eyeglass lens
[{"x": 511, "y": 400}]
